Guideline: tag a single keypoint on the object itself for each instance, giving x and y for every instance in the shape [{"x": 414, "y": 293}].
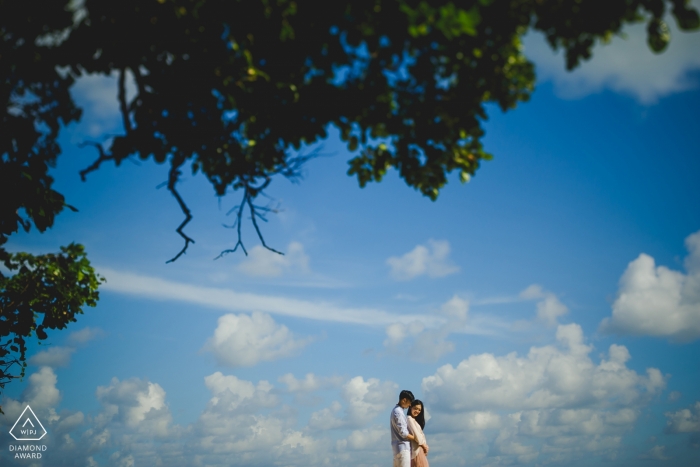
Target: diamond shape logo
[{"x": 28, "y": 427}]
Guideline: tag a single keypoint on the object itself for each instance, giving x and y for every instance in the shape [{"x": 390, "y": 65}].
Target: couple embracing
[{"x": 407, "y": 439}]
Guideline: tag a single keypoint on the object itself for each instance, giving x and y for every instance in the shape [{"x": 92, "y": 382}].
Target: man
[{"x": 400, "y": 437}]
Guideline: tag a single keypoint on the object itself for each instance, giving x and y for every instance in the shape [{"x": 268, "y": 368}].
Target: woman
[{"x": 416, "y": 423}]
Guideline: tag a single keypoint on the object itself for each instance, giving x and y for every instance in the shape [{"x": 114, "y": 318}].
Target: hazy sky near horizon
[{"x": 546, "y": 312}]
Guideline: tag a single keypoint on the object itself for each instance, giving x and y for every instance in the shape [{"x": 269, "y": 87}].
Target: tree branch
[
  {"x": 253, "y": 214},
  {"x": 237, "y": 224},
  {"x": 139, "y": 84},
  {"x": 173, "y": 178},
  {"x": 249, "y": 193},
  {"x": 122, "y": 101},
  {"x": 95, "y": 165}
]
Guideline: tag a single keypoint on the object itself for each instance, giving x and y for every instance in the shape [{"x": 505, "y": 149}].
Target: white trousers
[{"x": 403, "y": 459}]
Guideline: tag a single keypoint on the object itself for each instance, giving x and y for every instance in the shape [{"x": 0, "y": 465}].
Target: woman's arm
[{"x": 416, "y": 431}]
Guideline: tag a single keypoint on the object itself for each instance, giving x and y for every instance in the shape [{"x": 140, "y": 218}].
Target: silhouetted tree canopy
[{"x": 229, "y": 87}]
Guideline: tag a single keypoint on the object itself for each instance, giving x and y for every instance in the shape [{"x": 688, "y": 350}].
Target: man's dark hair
[{"x": 405, "y": 394}]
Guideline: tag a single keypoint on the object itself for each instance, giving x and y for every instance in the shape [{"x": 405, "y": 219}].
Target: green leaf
[
  {"x": 659, "y": 35},
  {"x": 353, "y": 143}
]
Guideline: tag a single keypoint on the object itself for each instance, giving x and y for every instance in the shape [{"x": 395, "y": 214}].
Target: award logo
[{"x": 28, "y": 427}]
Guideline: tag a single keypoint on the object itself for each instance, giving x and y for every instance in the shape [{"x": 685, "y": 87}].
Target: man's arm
[{"x": 400, "y": 425}]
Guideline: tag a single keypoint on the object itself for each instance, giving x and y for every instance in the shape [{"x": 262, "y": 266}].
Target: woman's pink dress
[{"x": 420, "y": 460}]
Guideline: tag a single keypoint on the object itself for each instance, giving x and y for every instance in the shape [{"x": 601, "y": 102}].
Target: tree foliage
[
  {"x": 229, "y": 87},
  {"x": 40, "y": 293}
]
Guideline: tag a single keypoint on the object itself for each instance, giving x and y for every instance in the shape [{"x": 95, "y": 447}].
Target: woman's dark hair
[{"x": 421, "y": 416}]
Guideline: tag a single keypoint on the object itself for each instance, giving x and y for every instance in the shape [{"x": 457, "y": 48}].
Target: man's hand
[{"x": 425, "y": 448}]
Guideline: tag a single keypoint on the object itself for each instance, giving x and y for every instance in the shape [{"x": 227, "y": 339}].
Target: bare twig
[
  {"x": 95, "y": 165},
  {"x": 173, "y": 177},
  {"x": 237, "y": 224},
  {"x": 249, "y": 194},
  {"x": 292, "y": 171},
  {"x": 141, "y": 87},
  {"x": 122, "y": 101},
  {"x": 253, "y": 214}
]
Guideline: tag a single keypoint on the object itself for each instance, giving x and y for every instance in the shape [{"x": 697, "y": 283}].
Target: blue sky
[{"x": 547, "y": 312}]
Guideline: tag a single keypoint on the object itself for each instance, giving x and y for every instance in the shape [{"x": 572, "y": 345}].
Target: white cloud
[
  {"x": 626, "y": 65},
  {"x": 41, "y": 394},
  {"x": 657, "y": 453},
  {"x": 428, "y": 260},
  {"x": 53, "y": 357},
  {"x": 85, "y": 335},
  {"x": 245, "y": 340},
  {"x": 263, "y": 262},
  {"x": 136, "y": 403},
  {"x": 657, "y": 301},
  {"x": 550, "y": 376},
  {"x": 232, "y": 426},
  {"x": 684, "y": 421},
  {"x": 160, "y": 289},
  {"x": 552, "y": 405},
  {"x": 96, "y": 94},
  {"x": 59, "y": 356},
  {"x": 364, "y": 400},
  {"x": 549, "y": 308},
  {"x": 455, "y": 309},
  {"x": 430, "y": 344},
  {"x": 42, "y": 391},
  {"x": 310, "y": 383},
  {"x": 374, "y": 439},
  {"x": 397, "y": 332},
  {"x": 236, "y": 392},
  {"x": 70, "y": 422}
]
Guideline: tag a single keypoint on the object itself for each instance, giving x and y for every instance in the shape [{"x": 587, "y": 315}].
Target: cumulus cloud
[
  {"x": 456, "y": 309},
  {"x": 684, "y": 421},
  {"x": 658, "y": 301},
  {"x": 549, "y": 308},
  {"x": 363, "y": 398},
  {"x": 550, "y": 376},
  {"x": 432, "y": 344},
  {"x": 625, "y": 65},
  {"x": 310, "y": 383},
  {"x": 59, "y": 356},
  {"x": 96, "y": 94},
  {"x": 233, "y": 425},
  {"x": 53, "y": 357},
  {"x": 431, "y": 260},
  {"x": 85, "y": 335},
  {"x": 233, "y": 393},
  {"x": 657, "y": 453},
  {"x": 375, "y": 438},
  {"x": 136, "y": 403},
  {"x": 397, "y": 332},
  {"x": 41, "y": 394},
  {"x": 245, "y": 340},
  {"x": 429, "y": 344},
  {"x": 263, "y": 262},
  {"x": 553, "y": 404}
]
